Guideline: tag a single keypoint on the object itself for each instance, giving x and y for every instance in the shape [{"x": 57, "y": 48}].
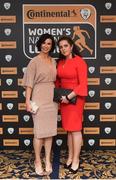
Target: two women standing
[{"x": 39, "y": 82}]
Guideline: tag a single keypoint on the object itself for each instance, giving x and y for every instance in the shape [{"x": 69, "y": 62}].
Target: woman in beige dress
[{"x": 39, "y": 81}]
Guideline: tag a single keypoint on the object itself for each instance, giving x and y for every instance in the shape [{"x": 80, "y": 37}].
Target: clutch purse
[
  {"x": 59, "y": 92},
  {"x": 34, "y": 107}
]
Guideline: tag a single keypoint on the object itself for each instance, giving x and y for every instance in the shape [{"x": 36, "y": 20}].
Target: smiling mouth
[{"x": 45, "y": 49}]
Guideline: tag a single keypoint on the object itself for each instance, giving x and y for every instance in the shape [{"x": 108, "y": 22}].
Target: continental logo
[
  {"x": 10, "y": 118},
  {"x": 1, "y": 130},
  {"x": 108, "y": 117},
  {"x": 108, "y": 93},
  {"x": 10, "y": 142},
  {"x": 108, "y": 69},
  {"x": 0, "y": 106},
  {"x": 53, "y": 19},
  {"x": 57, "y": 13},
  {"x": 9, "y": 70},
  {"x": 7, "y": 44},
  {"x": 107, "y": 142},
  {"x": 9, "y": 94},
  {"x": 93, "y": 81},
  {"x": 20, "y": 82},
  {"x": 7, "y": 19},
  {"x": 92, "y": 105},
  {"x": 91, "y": 130},
  {"x": 107, "y": 44},
  {"x": 25, "y": 130},
  {"x": 61, "y": 131},
  {"x": 106, "y": 19},
  {"x": 21, "y": 106}
]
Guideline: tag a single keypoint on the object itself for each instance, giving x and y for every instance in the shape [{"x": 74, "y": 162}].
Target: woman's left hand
[{"x": 64, "y": 100}]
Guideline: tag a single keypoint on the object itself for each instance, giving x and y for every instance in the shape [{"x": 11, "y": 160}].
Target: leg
[
  {"x": 70, "y": 149},
  {"x": 37, "y": 143},
  {"x": 48, "y": 145},
  {"x": 78, "y": 43},
  {"x": 77, "y": 141},
  {"x": 89, "y": 49}
]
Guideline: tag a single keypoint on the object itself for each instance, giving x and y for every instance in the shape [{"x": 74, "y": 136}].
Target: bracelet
[{"x": 67, "y": 98}]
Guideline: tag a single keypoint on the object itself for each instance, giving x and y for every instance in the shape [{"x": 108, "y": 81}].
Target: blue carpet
[{"x": 56, "y": 163}]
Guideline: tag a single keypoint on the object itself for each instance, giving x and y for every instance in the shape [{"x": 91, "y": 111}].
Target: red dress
[{"x": 72, "y": 74}]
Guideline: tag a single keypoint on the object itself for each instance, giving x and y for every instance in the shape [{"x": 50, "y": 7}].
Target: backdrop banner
[{"x": 91, "y": 24}]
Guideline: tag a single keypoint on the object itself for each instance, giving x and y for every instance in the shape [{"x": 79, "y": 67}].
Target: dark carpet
[{"x": 96, "y": 164}]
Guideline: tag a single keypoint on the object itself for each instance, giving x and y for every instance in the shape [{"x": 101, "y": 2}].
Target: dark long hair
[
  {"x": 75, "y": 50},
  {"x": 42, "y": 39}
]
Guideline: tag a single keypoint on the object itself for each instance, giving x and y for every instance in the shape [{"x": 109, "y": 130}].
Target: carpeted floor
[{"x": 93, "y": 165}]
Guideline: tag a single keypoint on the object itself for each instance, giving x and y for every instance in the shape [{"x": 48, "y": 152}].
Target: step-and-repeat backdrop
[{"x": 92, "y": 26}]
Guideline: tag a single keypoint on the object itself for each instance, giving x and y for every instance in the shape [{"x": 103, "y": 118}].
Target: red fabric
[{"x": 72, "y": 73}]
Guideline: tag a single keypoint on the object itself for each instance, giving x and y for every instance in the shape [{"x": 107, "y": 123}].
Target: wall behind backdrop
[{"x": 94, "y": 25}]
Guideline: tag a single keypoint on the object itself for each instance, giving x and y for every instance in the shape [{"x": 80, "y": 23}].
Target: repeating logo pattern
[{"x": 79, "y": 21}]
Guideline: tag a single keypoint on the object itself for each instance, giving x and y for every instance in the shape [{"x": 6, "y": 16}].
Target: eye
[
  {"x": 49, "y": 43},
  {"x": 66, "y": 45}
]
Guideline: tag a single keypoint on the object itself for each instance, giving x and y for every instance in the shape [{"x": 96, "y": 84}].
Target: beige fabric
[{"x": 40, "y": 76}]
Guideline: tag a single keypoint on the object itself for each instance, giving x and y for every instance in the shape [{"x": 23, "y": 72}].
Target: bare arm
[{"x": 28, "y": 96}]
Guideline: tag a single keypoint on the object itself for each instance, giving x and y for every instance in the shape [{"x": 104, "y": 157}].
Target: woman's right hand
[{"x": 28, "y": 106}]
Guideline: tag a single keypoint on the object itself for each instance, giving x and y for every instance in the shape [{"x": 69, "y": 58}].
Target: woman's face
[
  {"x": 46, "y": 46},
  {"x": 65, "y": 48}
]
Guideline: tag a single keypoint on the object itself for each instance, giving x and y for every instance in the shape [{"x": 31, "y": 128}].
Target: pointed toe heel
[
  {"x": 67, "y": 166},
  {"x": 37, "y": 171},
  {"x": 74, "y": 171}
]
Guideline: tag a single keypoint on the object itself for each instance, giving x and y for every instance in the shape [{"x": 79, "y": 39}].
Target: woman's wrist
[{"x": 27, "y": 101}]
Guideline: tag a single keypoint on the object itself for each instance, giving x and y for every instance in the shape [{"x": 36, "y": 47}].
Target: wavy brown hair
[{"x": 75, "y": 50}]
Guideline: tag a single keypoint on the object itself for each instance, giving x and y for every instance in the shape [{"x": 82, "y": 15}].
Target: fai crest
[
  {"x": 85, "y": 13},
  {"x": 7, "y": 5},
  {"x": 108, "y": 5}
]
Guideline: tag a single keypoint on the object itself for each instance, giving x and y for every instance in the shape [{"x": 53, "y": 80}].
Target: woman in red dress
[{"x": 72, "y": 74}]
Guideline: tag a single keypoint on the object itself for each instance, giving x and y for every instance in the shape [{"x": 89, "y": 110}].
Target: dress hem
[{"x": 45, "y": 136}]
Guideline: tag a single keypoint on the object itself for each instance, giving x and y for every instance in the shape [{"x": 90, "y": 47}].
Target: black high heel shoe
[
  {"x": 74, "y": 171},
  {"x": 67, "y": 166}
]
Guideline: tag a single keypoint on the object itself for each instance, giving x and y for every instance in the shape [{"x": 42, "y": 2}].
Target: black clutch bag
[{"x": 59, "y": 92}]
